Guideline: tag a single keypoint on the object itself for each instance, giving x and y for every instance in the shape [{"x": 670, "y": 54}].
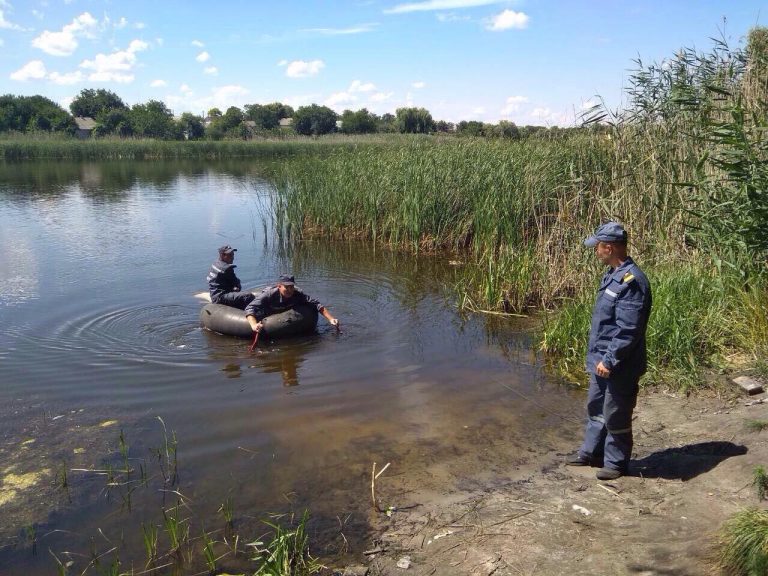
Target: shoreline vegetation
[{"x": 683, "y": 167}]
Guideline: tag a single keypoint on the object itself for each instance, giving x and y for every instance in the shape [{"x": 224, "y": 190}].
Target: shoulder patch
[{"x": 628, "y": 277}]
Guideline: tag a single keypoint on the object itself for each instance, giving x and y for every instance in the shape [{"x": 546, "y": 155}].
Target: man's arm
[{"x": 630, "y": 320}]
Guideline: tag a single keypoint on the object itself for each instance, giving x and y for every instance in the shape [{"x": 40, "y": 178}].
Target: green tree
[
  {"x": 214, "y": 113},
  {"x": 387, "y": 123},
  {"x": 470, "y": 128},
  {"x": 117, "y": 121},
  {"x": 92, "y": 103},
  {"x": 33, "y": 113},
  {"x": 414, "y": 121},
  {"x": 154, "y": 120},
  {"x": 360, "y": 122},
  {"x": 443, "y": 126},
  {"x": 264, "y": 117},
  {"x": 506, "y": 129},
  {"x": 281, "y": 110},
  {"x": 314, "y": 120},
  {"x": 191, "y": 126}
]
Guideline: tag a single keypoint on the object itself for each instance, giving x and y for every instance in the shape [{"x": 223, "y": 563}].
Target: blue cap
[
  {"x": 286, "y": 280},
  {"x": 608, "y": 232}
]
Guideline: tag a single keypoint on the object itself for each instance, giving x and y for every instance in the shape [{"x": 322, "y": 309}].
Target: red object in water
[{"x": 255, "y": 339}]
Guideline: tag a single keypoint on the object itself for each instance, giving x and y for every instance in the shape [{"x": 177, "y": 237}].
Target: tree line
[{"x": 153, "y": 119}]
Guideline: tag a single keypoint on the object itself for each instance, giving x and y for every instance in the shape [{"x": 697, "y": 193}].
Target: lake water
[{"x": 98, "y": 266}]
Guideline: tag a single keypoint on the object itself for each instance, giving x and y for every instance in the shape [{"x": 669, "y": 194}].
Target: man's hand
[
  {"x": 335, "y": 322},
  {"x": 601, "y": 370},
  {"x": 256, "y": 326}
]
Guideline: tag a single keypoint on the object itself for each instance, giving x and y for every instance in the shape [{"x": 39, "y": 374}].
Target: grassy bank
[
  {"x": 684, "y": 170},
  {"x": 59, "y": 148}
]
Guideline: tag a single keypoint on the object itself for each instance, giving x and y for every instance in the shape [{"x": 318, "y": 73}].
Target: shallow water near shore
[{"x": 98, "y": 266}]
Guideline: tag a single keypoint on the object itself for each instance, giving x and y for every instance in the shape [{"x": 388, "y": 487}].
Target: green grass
[
  {"x": 743, "y": 544},
  {"x": 287, "y": 553}
]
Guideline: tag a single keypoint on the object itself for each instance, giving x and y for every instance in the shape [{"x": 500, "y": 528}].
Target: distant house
[
  {"x": 85, "y": 126},
  {"x": 286, "y": 122}
]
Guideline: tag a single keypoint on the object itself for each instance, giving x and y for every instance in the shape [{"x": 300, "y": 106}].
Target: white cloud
[
  {"x": 203, "y": 56},
  {"x": 2, "y": 41},
  {"x": 197, "y": 44},
  {"x": 158, "y": 84},
  {"x": 513, "y": 105},
  {"x": 587, "y": 104},
  {"x": 361, "y": 29},
  {"x": 283, "y": 63},
  {"x": 37, "y": 14},
  {"x": 301, "y": 100},
  {"x": 358, "y": 86},
  {"x": 381, "y": 96},
  {"x": 451, "y": 17},
  {"x": 479, "y": 111},
  {"x": 419, "y": 85},
  {"x": 340, "y": 98},
  {"x": 64, "y": 43},
  {"x": 34, "y": 70},
  {"x": 548, "y": 116},
  {"x": 302, "y": 69},
  {"x": 439, "y": 5},
  {"x": 67, "y": 78},
  {"x": 115, "y": 67},
  {"x": 508, "y": 19},
  {"x": 6, "y": 25},
  {"x": 122, "y": 23},
  {"x": 185, "y": 89},
  {"x": 139, "y": 25},
  {"x": 222, "y": 97},
  {"x": 212, "y": 70}
]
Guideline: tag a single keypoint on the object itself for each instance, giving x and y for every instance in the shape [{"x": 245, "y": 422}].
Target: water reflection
[{"x": 117, "y": 181}]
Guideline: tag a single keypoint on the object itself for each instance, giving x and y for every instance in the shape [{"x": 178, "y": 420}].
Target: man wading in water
[
  {"x": 223, "y": 283},
  {"x": 280, "y": 298},
  {"x": 616, "y": 355}
]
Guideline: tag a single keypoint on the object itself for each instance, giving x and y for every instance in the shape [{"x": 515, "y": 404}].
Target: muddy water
[{"x": 100, "y": 338}]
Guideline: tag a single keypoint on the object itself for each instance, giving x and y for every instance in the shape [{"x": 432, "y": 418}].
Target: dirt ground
[{"x": 692, "y": 467}]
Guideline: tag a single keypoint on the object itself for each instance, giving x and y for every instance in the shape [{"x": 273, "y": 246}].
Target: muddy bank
[{"x": 529, "y": 514}]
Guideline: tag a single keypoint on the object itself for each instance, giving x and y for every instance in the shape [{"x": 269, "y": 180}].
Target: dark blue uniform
[
  {"x": 270, "y": 301},
  {"x": 617, "y": 339},
  {"x": 224, "y": 286}
]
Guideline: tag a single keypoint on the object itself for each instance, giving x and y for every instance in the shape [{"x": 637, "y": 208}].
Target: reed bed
[
  {"x": 684, "y": 169},
  {"x": 58, "y": 148}
]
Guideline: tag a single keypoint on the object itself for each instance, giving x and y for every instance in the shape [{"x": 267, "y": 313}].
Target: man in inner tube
[
  {"x": 280, "y": 298},
  {"x": 223, "y": 283}
]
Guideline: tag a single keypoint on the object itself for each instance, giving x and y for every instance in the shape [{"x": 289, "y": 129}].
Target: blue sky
[{"x": 528, "y": 61}]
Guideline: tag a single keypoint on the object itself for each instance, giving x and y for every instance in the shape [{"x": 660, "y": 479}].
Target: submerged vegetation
[{"x": 684, "y": 168}]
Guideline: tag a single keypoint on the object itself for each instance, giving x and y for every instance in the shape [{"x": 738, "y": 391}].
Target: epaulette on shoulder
[{"x": 628, "y": 277}]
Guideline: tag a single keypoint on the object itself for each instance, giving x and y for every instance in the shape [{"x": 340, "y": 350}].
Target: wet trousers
[
  {"x": 608, "y": 434},
  {"x": 235, "y": 299}
]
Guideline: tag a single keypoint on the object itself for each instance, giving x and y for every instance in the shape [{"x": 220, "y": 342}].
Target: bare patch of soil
[{"x": 528, "y": 514}]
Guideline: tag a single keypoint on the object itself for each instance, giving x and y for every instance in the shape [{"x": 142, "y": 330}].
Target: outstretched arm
[{"x": 328, "y": 316}]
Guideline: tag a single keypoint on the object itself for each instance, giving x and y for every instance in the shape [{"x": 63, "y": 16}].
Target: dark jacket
[
  {"x": 619, "y": 322},
  {"x": 222, "y": 279},
  {"x": 271, "y": 302}
]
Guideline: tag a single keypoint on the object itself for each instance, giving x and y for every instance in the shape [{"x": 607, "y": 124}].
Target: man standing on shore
[{"x": 616, "y": 355}]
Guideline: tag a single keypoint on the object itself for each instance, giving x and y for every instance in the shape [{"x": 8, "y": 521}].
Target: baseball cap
[
  {"x": 608, "y": 232},
  {"x": 286, "y": 280},
  {"x": 227, "y": 249}
]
